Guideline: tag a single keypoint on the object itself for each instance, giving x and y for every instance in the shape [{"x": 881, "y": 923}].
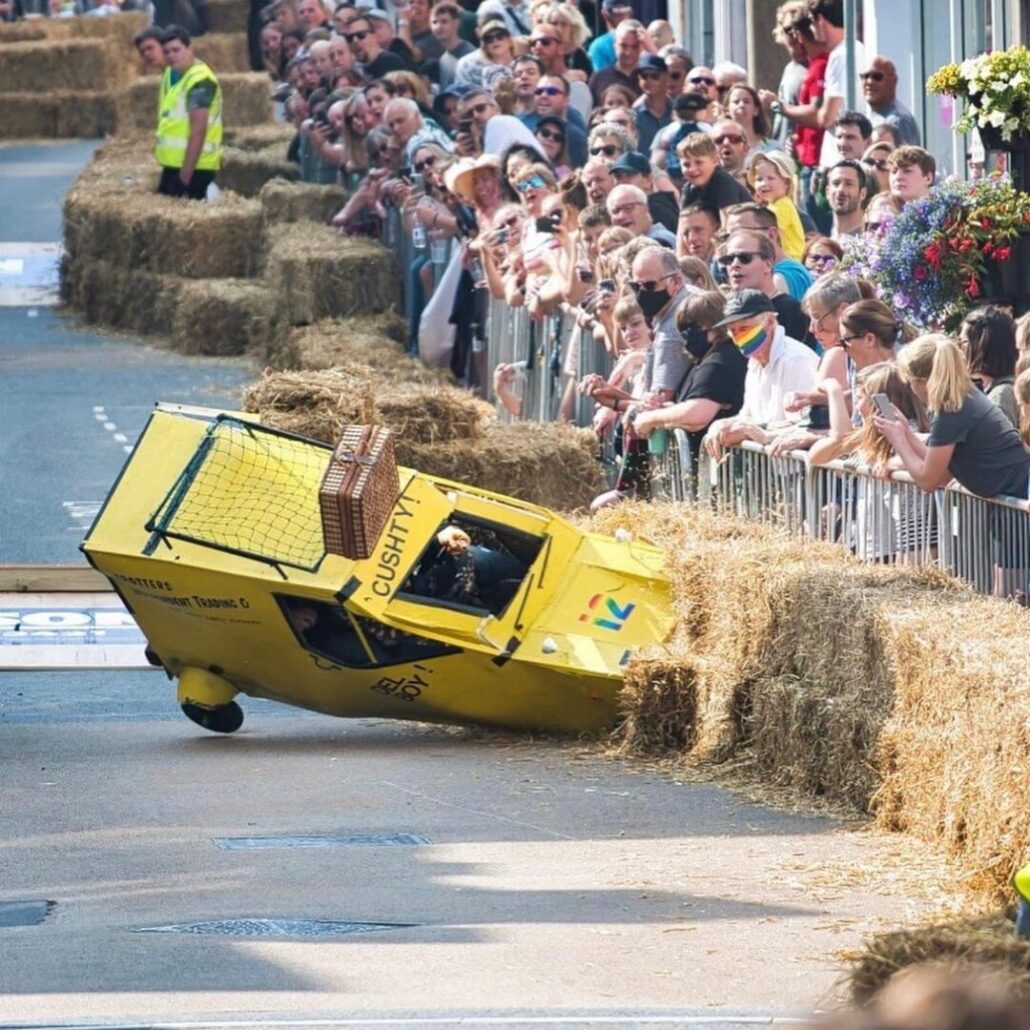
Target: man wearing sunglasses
[
  {"x": 375, "y": 61},
  {"x": 660, "y": 289},
  {"x": 701, "y": 80},
  {"x": 552, "y": 100},
  {"x": 747, "y": 259},
  {"x": 733, "y": 148},
  {"x": 653, "y": 111},
  {"x": 629, "y": 44},
  {"x": 777, "y": 366},
  {"x": 880, "y": 88},
  {"x": 790, "y": 275}
]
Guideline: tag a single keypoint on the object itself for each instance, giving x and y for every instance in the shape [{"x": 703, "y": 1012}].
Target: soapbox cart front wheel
[{"x": 223, "y": 719}]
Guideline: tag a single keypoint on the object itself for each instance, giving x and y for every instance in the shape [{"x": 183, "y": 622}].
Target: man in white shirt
[
  {"x": 828, "y": 28},
  {"x": 777, "y": 365}
]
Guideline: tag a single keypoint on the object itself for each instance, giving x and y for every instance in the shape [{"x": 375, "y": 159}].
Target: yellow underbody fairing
[{"x": 238, "y": 538}]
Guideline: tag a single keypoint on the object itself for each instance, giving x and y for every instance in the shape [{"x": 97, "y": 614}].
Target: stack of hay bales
[
  {"x": 891, "y": 690},
  {"x": 219, "y": 278},
  {"x": 80, "y": 77},
  {"x": 441, "y": 431},
  {"x": 60, "y": 78}
]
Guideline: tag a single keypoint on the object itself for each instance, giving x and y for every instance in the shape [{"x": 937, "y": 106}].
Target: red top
[{"x": 808, "y": 141}]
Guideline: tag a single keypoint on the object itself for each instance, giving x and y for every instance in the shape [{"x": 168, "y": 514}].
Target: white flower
[
  {"x": 968, "y": 68},
  {"x": 1017, "y": 80},
  {"x": 996, "y": 118},
  {"x": 974, "y": 87}
]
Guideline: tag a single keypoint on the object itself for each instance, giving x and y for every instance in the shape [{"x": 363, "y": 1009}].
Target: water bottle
[
  {"x": 418, "y": 234},
  {"x": 438, "y": 250}
]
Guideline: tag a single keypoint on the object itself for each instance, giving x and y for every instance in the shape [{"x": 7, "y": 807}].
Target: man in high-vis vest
[{"x": 189, "y": 120}]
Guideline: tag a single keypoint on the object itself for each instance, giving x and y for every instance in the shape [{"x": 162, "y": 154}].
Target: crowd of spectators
[
  {"x": 691, "y": 227},
  {"x": 688, "y": 224}
]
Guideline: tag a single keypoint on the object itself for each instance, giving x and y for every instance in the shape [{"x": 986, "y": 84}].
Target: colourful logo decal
[{"x": 611, "y": 607}]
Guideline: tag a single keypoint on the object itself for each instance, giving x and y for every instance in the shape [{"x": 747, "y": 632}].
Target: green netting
[{"x": 251, "y": 491}]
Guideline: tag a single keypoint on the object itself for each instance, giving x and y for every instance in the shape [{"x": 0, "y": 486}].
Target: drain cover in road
[
  {"x": 24, "y": 913},
  {"x": 360, "y": 840},
  {"x": 282, "y": 929}
]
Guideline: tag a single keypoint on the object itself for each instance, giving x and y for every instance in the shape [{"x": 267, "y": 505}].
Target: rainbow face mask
[{"x": 749, "y": 341}]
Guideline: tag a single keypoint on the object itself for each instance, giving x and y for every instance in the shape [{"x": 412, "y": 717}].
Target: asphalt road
[{"x": 320, "y": 872}]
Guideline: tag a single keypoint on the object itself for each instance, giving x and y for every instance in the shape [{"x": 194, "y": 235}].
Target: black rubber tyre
[
  {"x": 152, "y": 657},
  {"x": 225, "y": 719}
]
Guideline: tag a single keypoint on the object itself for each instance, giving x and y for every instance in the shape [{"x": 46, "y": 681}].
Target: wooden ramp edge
[{"x": 43, "y": 579}]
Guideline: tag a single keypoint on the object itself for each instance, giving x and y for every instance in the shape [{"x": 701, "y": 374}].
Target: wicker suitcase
[{"x": 358, "y": 491}]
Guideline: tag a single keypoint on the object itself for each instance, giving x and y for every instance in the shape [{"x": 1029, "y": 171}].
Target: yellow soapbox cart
[{"x": 212, "y": 536}]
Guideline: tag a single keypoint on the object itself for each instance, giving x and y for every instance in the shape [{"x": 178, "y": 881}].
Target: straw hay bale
[
  {"x": 58, "y": 115},
  {"x": 553, "y": 464},
  {"x": 112, "y": 295},
  {"x": 982, "y": 943},
  {"x": 373, "y": 340},
  {"x": 83, "y": 65},
  {"x": 226, "y": 52},
  {"x": 23, "y": 31},
  {"x": 246, "y": 171},
  {"x": 222, "y": 316},
  {"x": 257, "y": 137},
  {"x": 321, "y": 274},
  {"x": 429, "y": 415},
  {"x": 955, "y": 753},
  {"x": 313, "y": 404},
  {"x": 283, "y": 201},
  {"x": 659, "y": 704},
  {"x": 164, "y": 235},
  {"x": 244, "y": 97},
  {"x": 226, "y": 16}
]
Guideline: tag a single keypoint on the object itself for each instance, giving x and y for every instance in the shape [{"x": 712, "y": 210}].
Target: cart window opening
[
  {"x": 471, "y": 565},
  {"x": 332, "y": 632}
]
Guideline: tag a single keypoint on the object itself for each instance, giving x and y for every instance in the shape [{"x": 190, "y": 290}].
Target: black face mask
[
  {"x": 696, "y": 342},
  {"x": 651, "y": 302}
]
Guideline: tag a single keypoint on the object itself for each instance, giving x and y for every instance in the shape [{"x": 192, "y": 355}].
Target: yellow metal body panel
[{"x": 550, "y": 660}]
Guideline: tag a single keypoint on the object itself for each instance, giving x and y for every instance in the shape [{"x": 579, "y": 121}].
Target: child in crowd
[{"x": 771, "y": 176}]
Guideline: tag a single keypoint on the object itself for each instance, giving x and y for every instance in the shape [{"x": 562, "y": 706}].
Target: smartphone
[
  {"x": 546, "y": 224},
  {"x": 884, "y": 406},
  {"x": 501, "y": 236},
  {"x": 606, "y": 285},
  {"x": 320, "y": 118},
  {"x": 465, "y": 126},
  {"x": 418, "y": 182}
]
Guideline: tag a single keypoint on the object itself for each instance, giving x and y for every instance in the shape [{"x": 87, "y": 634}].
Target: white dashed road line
[{"x": 100, "y": 414}]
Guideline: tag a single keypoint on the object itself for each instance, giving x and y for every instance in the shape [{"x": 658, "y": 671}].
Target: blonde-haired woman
[
  {"x": 890, "y": 523},
  {"x": 970, "y": 441}
]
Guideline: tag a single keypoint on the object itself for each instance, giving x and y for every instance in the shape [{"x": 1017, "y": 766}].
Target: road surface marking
[{"x": 29, "y": 274}]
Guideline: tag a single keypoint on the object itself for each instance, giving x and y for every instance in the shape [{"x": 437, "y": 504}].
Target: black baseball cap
[
  {"x": 652, "y": 62},
  {"x": 744, "y": 304},
  {"x": 633, "y": 162},
  {"x": 690, "y": 102}
]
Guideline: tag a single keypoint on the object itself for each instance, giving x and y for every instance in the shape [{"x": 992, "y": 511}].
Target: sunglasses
[
  {"x": 548, "y": 91},
  {"x": 880, "y": 166},
  {"x": 675, "y": 76},
  {"x": 555, "y": 137},
  {"x": 649, "y": 285},
  {"x": 493, "y": 37},
  {"x": 720, "y": 140},
  {"x": 701, "y": 80},
  {"x": 845, "y": 340},
  {"x": 873, "y": 226},
  {"x": 351, "y": 37},
  {"x": 608, "y": 150},
  {"x": 425, "y": 163},
  {"x": 542, "y": 41},
  {"x": 822, "y": 259},
  {"x": 649, "y": 74},
  {"x": 745, "y": 257},
  {"x": 872, "y": 76},
  {"x": 533, "y": 183}
]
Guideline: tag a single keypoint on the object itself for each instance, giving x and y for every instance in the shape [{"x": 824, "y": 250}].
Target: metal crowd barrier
[{"x": 984, "y": 541}]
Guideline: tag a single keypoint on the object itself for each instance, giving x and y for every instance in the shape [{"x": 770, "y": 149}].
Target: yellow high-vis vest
[{"x": 173, "y": 123}]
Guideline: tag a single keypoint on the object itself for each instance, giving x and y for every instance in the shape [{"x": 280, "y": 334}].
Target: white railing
[{"x": 985, "y": 541}]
